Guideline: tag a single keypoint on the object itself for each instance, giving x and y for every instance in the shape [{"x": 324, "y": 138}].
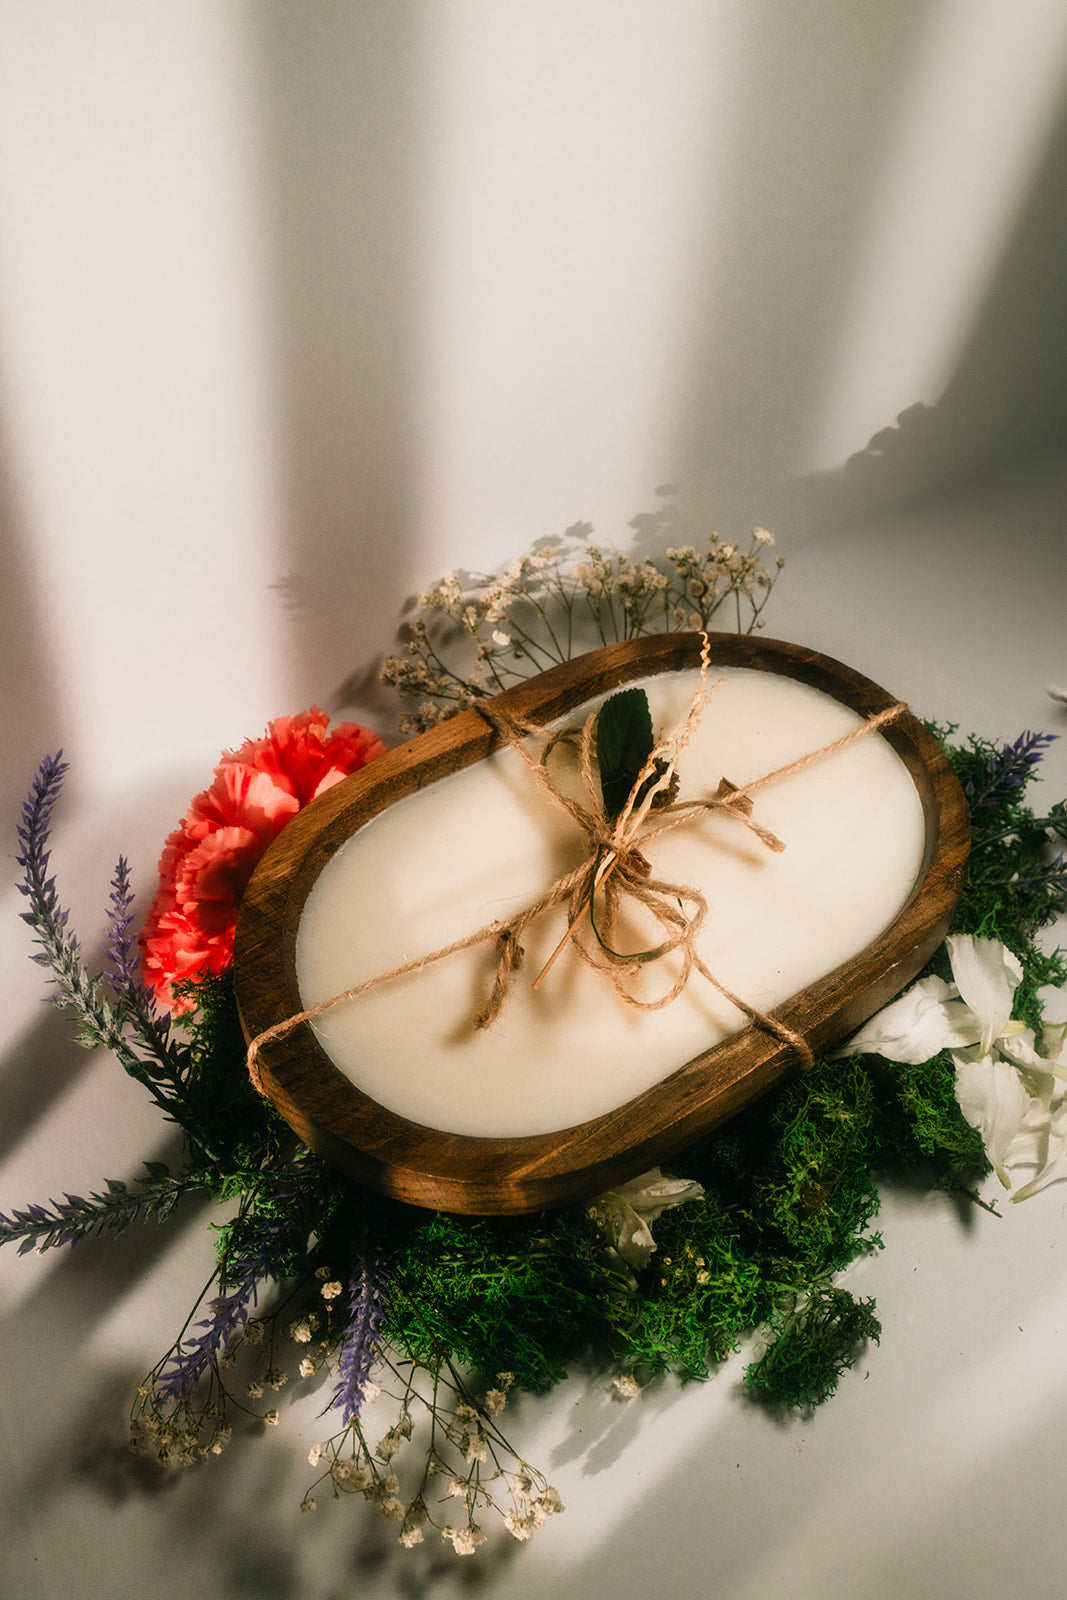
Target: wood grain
[{"x": 455, "y": 1172}]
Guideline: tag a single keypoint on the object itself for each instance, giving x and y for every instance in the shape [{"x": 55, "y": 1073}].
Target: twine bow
[{"x": 614, "y": 868}]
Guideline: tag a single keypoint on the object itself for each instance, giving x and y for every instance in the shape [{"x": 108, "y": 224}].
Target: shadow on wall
[
  {"x": 32, "y": 712},
  {"x": 1007, "y": 399},
  {"x": 340, "y": 141},
  {"x": 817, "y": 100},
  {"x": 789, "y": 238}
]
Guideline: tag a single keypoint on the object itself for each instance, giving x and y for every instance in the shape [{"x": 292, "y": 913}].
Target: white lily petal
[
  {"x": 987, "y": 975},
  {"x": 1021, "y": 1050},
  {"x": 923, "y": 1020},
  {"x": 1055, "y": 1161},
  {"x": 994, "y": 1100},
  {"x": 1053, "y": 1038}
]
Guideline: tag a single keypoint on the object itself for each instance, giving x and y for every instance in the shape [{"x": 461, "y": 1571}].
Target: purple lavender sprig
[
  {"x": 60, "y": 951},
  {"x": 267, "y": 1245},
  {"x": 100, "y": 1023},
  {"x": 63, "y": 1222},
  {"x": 139, "y": 1007},
  {"x": 366, "y": 1318},
  {"x": 1006, "y": 770},
  {"x": 190, "y": 1359}
]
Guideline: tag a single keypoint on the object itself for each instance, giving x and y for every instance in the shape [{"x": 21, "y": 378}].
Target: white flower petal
[
  {"x": 623, "y": 1214},
  {"x": 1021, "y": 1050},
  {"x": 964, "y": 1027},
  {"x": 994, "y": 1100},
  {"x": 987, "y": 975},
  {"x": 630, "y": 1235},
  {"x": 1029, "y": 1148},
  {"x": 652, "y": 1193},
  {"x": 1055, "y": 1157},
  {"x": 923, "y": 1020},
  {"x": 1053, "y": 1038}
]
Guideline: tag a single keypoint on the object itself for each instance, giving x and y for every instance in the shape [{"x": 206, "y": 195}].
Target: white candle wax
[{"x": 481, "y": 844}]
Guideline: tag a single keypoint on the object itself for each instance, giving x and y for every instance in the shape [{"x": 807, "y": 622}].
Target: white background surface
[{"x": 302, "y": 304}]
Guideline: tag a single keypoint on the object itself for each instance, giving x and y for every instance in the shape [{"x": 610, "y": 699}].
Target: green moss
[
  {"x": 247, "y": 1131},
  {"x": 814, "y": 1342},
  {"x": 525, "y": 1296}
]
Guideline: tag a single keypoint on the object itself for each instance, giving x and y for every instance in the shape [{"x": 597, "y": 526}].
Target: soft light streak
[
  {"x": 134, "y": 374},
  {"x": 567, "y": 190},
  {"x": 970, "y": 132}
]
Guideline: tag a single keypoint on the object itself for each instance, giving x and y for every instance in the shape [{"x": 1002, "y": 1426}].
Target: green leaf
[{"x": 624, "y": 742}]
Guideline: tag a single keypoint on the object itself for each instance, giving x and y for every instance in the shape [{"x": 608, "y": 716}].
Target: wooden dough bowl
[{"x": 495, "y": 1176}]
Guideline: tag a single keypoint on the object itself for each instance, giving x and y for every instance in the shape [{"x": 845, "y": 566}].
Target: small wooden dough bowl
[{"x": 495, "y": 1176}]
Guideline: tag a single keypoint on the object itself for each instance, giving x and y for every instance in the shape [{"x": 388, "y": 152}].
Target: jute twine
[{"x": 615, "y": 869}]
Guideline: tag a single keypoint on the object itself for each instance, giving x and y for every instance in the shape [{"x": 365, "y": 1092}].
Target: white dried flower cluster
[
  {"x": 533, "y": 1505},
  {"x": 182, "y": 1435},
  {"x": 184, "y": 1430},
  {"x": 458, "y": 1445},
  {"x": 463, "y": 1439},
  {"x": 471, "y": 636}
]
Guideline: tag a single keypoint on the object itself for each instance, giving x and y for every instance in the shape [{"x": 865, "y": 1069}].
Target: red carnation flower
[{"x": 209, "y": 858}]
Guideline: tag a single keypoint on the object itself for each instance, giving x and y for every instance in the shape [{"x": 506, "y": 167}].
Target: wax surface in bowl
[{"x": 480, "y": 844}]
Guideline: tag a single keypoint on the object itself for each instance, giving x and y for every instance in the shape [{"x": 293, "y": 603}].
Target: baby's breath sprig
[
  {"x": 464, "y": 1455},
  {"x": 473, "y": 635},
  {"x": 185, "y": 1405},
  {"x": 180, "y": 1435}
]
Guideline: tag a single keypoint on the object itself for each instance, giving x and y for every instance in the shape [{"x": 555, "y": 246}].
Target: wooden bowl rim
[{"x": 465, "y": 1173}]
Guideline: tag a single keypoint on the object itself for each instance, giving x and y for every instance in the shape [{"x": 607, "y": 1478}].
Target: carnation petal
[{"x": 208, "y": 859}]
